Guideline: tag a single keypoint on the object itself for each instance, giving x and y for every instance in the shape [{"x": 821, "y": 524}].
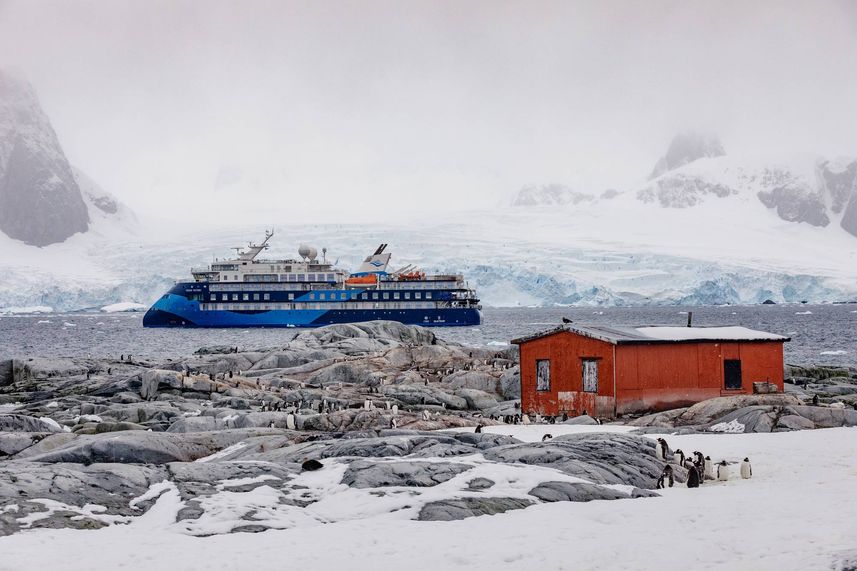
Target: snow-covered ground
[{"x": 796, "y": 513}]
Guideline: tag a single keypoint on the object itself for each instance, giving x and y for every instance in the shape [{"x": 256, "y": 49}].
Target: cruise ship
[{"x": 248, "y": 292}]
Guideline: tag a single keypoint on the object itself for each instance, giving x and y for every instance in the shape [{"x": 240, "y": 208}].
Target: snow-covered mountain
[
  {"x": 685, "y": 148},
  {"x": 43, "y": 199},
  {"x": 715, "y": 230}
]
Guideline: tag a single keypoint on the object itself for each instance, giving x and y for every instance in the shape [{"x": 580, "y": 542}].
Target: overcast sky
[{"x": 403, "y": 106}]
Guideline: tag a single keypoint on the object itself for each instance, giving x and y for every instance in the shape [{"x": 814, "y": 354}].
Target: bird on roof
[{"x": 566, "y": 320}]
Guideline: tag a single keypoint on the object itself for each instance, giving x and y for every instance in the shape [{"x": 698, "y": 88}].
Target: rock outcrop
[
  {"x": 685, "y": 148},
  {"x": 40, "y": 201}
]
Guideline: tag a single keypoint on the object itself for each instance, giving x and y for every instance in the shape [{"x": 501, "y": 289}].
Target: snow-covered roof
[{"x": 620, "y": 335}]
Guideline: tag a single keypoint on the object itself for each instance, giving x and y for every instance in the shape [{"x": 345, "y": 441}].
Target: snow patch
[
  {"x": 124, "y": 306},
  {"x": 26, "y": 310},
  {"x": 731, "y": 427}
]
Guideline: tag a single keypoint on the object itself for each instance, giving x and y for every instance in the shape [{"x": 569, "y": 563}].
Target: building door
[{"x": 732, "y": 374}]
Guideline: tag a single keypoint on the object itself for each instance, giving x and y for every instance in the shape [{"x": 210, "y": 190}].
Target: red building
[{"x": 609, "y": 371}]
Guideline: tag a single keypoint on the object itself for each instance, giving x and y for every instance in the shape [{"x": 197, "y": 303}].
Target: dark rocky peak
[
  {"x": 685, "y": 148},
  {"x": 40, "y": 201}
]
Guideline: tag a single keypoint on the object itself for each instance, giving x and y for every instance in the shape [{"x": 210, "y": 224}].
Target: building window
[
  {"x": 732, "y": 374},
  {"x": 590, "y": 376},
  {"x": 543, "y": 375}
]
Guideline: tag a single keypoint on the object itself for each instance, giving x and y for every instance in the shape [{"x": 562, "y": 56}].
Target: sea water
[{"x": 819, "y": 333}]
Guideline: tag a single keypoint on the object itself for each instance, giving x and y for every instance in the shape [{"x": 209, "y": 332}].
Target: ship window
[
  {"x": 322, "y": 296},
  {"x": 374, "y": 296},
  {"x": 310, "y": 277},
  {"x": 364, "y": 296},
  {"x": 330, "y": 277},
  {"x": 291, "y": 296},
  {"x": 418, "y": 295},
  {"x": 396, "y": 295},
  {"x": 234, "y": 297},
  {"x": 386, "y": 295},
  {"x": 428, "y": 295},
  {"x": 407, "y": 295},
  {"x": 255, "y": 297},
  {"x": 301, "y": 277},
  {"x": 214, "y": 297},
  {"x": 245, "y": 297},
  {"x": 312, "y": 296},
  {"x": 267, "y": 296}
]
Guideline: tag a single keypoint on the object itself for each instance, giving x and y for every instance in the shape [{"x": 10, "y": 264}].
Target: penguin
[
  {"x": 525, "y": 419},
  {"x": 722, "y": 471},
  {"x": 290, "y": 421},
  {"x": 662, "y": 449},
  {"x": 395, "y": 409},
  {"x": 709, "y": 468},
  {"x": 426, "y": 415},
  {"x": 564, "y": 416},
  {"x": 746, "y": 469},
  {"x": 393, "y": 423},
  {"x": 698, "y": 459},
  {"x": 547, "y": 437},
  {"x": 478, "y": 429},
  {"x": 678, "y": 457},
  {"x": 815, "y": 400},
  {"x": 693, "y": 479},
  {"x": 666, "y": 478}
]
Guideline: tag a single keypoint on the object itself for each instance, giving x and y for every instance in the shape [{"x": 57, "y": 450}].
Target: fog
[{"x": 373, "y": 109}]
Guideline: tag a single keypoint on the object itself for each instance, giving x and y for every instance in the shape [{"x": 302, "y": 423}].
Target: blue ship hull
[{"x": 175, "y": 310}]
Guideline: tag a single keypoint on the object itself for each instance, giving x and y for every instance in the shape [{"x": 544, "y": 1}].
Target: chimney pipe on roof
[{"x": 689, "y": 318}]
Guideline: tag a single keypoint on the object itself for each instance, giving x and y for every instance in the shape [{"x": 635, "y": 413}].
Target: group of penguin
[{"x": 699, "y": 467}]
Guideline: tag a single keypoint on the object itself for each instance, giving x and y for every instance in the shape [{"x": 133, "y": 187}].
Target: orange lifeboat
[
  {"x": 412, "y": 276},
  {"x": 370, "y": 279}
]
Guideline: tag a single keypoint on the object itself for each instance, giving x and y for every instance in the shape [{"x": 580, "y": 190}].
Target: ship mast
[{"x": 253, "y": 250}]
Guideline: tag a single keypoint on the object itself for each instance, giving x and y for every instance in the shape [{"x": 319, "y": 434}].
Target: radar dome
[{"x": 307, "y": 252}]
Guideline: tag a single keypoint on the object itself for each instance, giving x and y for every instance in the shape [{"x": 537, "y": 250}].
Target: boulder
[
  {"x": 154, "y": 380},
  {"x": 583, "y": 420},
  {"x": 24, "y": 423},
  {"x": 601, "y": 458},
  {"x": 510, "y": 383},
  {"x": 794, "y": 422},
  {"x": 473, "y": 380},
  {"x": 476, "y": 399},
  {"x": 367, "y": 474},
  {"x": 12, "y": 443},
  {"x": 709, "y": 410},
  {"x": 575, "y": 492},
  {"x": 451, "y": 510},
  {"x": 825, "y": 417}
]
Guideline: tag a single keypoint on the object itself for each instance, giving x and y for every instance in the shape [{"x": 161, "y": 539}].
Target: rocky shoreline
[{"x": 85, "y": 443}]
